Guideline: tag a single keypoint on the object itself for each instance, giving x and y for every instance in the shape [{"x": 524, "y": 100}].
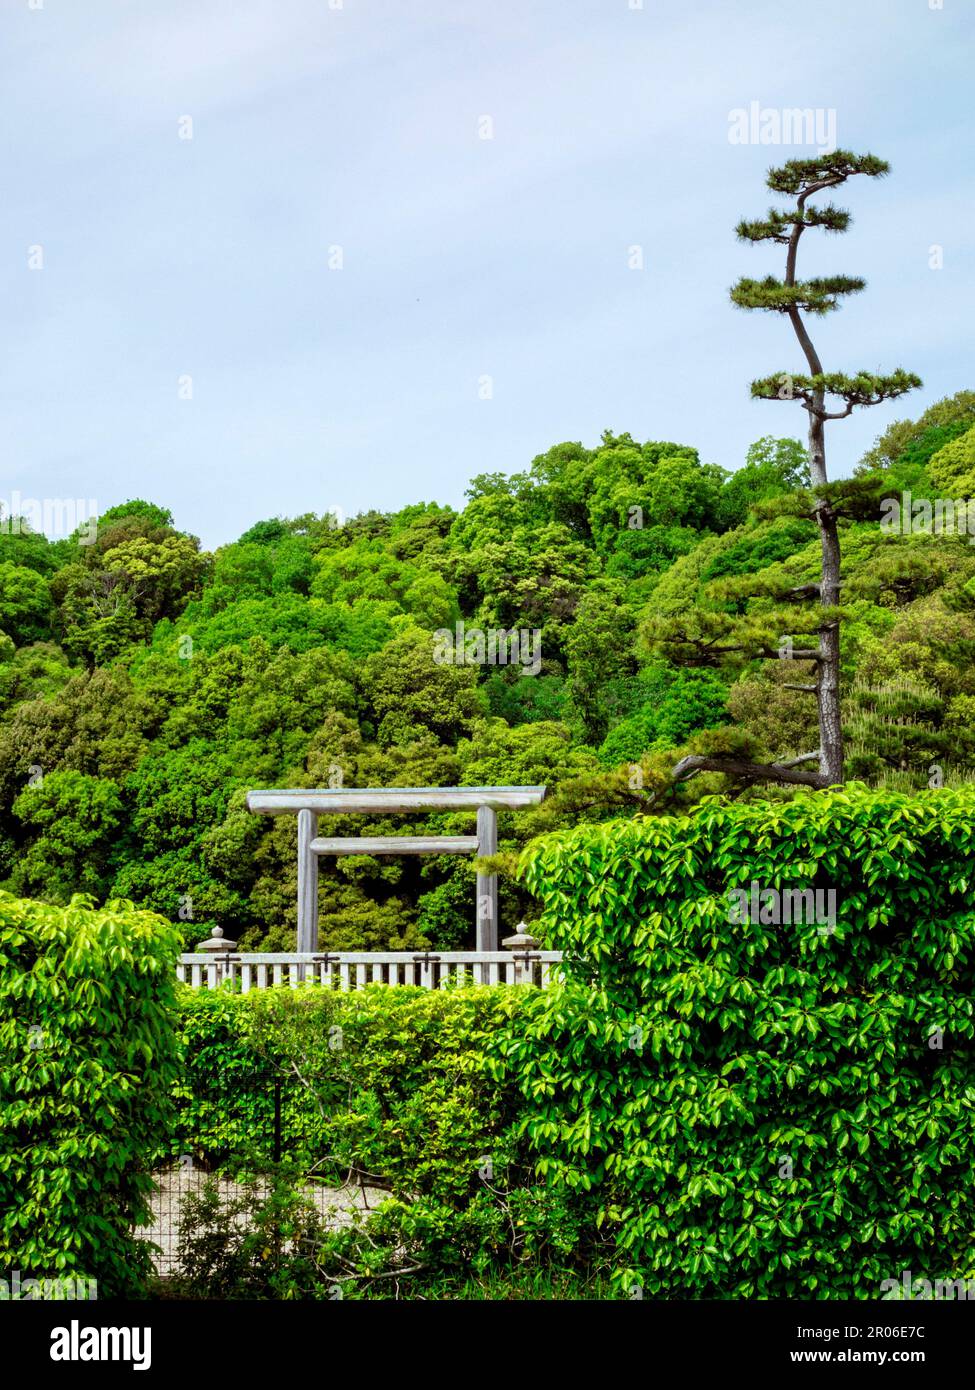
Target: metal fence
[
  {"x": 253, "y": 1148},
  {"x": 179, "y": 1182}
]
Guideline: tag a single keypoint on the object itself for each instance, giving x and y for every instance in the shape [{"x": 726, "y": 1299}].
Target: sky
[{"x": 266, "y": 257}]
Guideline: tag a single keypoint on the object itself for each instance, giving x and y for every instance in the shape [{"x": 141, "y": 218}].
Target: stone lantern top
[
  {"x": 522, "y": 940},
  {"x": 216, "y": 942}
]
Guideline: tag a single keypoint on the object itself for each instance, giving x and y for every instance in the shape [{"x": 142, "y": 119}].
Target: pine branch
[
  {"x": 777, "y": 225},
  {"x": 864, "y": 389},
  {"x": 819, "y": 296},
  {"x": 788, "y": 772},
  {"x": 805, "y": 176}
]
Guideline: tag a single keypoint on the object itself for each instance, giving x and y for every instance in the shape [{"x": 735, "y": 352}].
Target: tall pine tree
[{"x": 825, "y": 396}]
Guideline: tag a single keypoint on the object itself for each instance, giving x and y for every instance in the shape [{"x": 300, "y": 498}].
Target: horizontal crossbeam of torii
[{"x": 309, "y": 804}]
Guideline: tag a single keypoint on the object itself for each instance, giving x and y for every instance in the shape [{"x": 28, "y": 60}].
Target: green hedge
[
  {"x": 693, "y": 1063},
  {"x": 88, "y": 1059},
  {"x": 374, "y": 1079},
  {"x": 225, "y": 1099},
  {"x": 400, "y": 1087},
  {"x": 711, "y": 1105}
]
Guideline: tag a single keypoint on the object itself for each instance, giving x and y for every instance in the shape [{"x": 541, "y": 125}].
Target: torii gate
[{"x": 309, "y": 805}]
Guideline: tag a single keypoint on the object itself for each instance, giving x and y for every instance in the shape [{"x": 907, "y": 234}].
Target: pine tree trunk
[{"x": 828, "y": 672}]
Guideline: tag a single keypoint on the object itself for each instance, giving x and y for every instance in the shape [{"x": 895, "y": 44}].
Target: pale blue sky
[{"x": 357, "y": 126}]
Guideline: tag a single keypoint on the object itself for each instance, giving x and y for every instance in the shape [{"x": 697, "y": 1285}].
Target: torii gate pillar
[
  {"x": 307, "y": 882},
  {"x": 487, "y": 884}
]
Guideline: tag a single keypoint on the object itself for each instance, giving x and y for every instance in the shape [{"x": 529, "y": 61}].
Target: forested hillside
[{"x": 145, "y": 685}]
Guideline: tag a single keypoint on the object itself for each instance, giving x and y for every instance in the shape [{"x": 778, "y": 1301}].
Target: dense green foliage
[
  {"x": 386, "y": 1082},
  {"x": 146, "y": 685},
  {"x": 88, "y": 1059},
  {"x": 397, "y": 1088},
  {"x": 763, "y": 1108},
  {"x": 713, "y": 1104}
]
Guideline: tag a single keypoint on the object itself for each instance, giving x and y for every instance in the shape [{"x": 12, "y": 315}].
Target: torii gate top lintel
[
  {"x": 309, "y": 803},
  {"x": 323, "y": 800}
]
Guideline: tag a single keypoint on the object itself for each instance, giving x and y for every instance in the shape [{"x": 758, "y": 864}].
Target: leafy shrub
[
  {"x": 75, "y": 819},
  {"x": 765, "y": 545},
  {"x": 755, "y": 1110},
  {"x": 270, "y": 1241},
  {"x": 772, "y": 468},
  {"x": 443, "y": 914},
  {"x": 225, "y": 1099},
  {"x": 390, "y": 1083},
  {"x": 647, "y": 550},
  {"x": 898, "y": 437},
  {"x": 919, "y": 452},
  {"x": 88, "y": 1057},
  {"x": 400, "y": 1088},
  {"x": 706, "y": 1107},
  {"x": 25, "y": 603},
  {"x": 260, "y": 1244},
  {"x": 683, "y": 700},
  {"x": 952, "y": 468}
]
